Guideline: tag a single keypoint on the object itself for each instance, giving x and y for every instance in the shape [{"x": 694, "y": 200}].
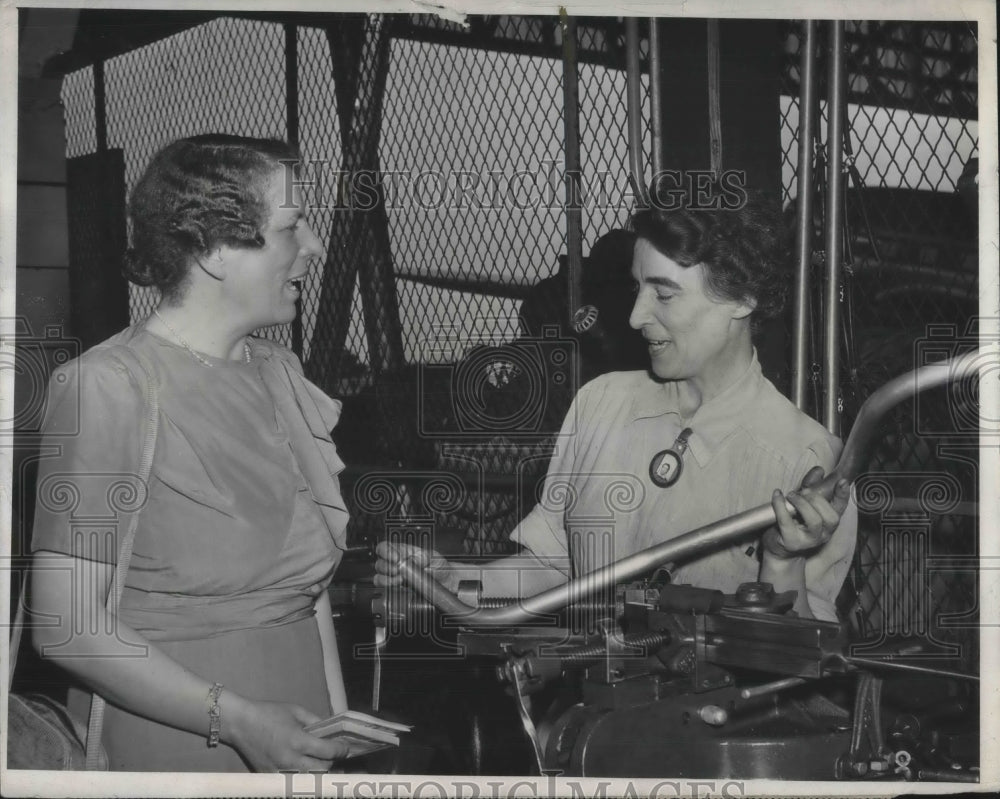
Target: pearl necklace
[{"x": 189, "y": 348}]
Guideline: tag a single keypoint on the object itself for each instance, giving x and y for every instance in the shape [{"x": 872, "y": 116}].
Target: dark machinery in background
[{"x": 643, "y": 679}]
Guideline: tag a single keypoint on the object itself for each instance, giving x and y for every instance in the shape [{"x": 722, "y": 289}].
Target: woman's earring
[{"x": 210, "y": 274}]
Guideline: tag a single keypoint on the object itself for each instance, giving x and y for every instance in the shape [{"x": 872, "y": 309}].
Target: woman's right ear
[{"x": 213, "y": 264}]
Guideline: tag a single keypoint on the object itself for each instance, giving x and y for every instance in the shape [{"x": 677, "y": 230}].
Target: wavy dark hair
[
  {"x": 197, "y": 194},
  {"x": 745, "y": 250}
]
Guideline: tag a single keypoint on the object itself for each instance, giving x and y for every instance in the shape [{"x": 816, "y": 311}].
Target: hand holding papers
[{"x": 362, "y": 732}]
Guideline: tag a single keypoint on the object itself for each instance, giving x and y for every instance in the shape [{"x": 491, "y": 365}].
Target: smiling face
[
  {"x": 263, "y": 284},
  {"x": 690, "y": 333}
]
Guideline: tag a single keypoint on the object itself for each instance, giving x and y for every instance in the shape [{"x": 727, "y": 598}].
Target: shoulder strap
[{"x": 151, "y": 410}]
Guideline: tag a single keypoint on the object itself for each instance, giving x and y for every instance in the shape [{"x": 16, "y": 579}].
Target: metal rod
[
  {"x": 292, "y": 83},
  {"x": 915, "y": 273},
  {"x": 771, "y": 687},
  {"x": 100, "y": 109},
  {"x": 866, "y": 428},
  {"x": 804, "y": 212},
  {"x": 966, "y": 293},
  {"x": 292, "y": 132},
  {"x": 711, "y": 536},
  {"x": 714, "y": 100},
  {"x": 633, "y": 93},
  {"x": 471, "y": 285},
  {"x": 647, "y": 642},
  {"x": 103, "y": 190},
  {"x": 853, "y": 461},
  {"x": 656, "y": 94},
  {"x": 571, "y": 121},
  {"x": 834, "y": 225},
  {"x": 897, "y": 665}
]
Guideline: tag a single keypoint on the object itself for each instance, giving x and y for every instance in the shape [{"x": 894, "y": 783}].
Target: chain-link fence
[
  {"x": 910, "y": 297},
  {"x": 462, "y": 133},
  {"x": 194, "y": 82}
]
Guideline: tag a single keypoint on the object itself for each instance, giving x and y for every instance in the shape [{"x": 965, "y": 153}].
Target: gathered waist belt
[{"x": 177, "y": 617}]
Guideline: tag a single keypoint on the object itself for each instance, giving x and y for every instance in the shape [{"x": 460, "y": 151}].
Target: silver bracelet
[{"x": 214, "y": 714}]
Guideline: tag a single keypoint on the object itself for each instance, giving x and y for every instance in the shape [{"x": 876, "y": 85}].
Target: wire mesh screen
[
  {"x": 320, "y": 142},
  {"x": 226, "y": 76},
  {"x": 443, "y": 122},
  {"x": 81, "y": 125},
  {"x": 604, "y": 134},
  {"x": 910, "y": 296},
  {"x": 471, "y": 189},
  {"x": 912, "y": 290}
]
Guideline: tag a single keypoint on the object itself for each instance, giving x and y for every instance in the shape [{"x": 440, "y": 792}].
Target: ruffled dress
[{"x": 239, "y": 532}]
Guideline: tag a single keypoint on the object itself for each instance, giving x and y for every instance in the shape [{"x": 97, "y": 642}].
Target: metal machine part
[
  {"x": 680, "y": 694},
  {"x": 686, "y": 682},
  {"x": 519, "y": 680},
  {"x": 697, "y": 735},
  {"x": 659, "y": 699},
  {"x": 681, "y": 681}
]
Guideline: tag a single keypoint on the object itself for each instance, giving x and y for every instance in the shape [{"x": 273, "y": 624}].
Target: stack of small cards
[{"x": 363, "y": 733}]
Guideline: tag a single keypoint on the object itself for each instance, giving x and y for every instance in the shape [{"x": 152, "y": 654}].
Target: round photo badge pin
[{"x": 666, "y": 467}]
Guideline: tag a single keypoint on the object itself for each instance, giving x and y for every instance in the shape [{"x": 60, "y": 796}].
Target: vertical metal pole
[
  {"x": 100, "y": 109},
  {"x": 292, "y": 83},
  {"x": 103, "y": 190},
  {"x": 292, "y": 129},
  {"x": 834, "y": 224},
  {"x": 803, "y": 237},
  {"x": 571, "y": 118},
  {"x": 655, "y": 95},
  {"x": 714, "y": 100},
  {"x": 633, "y": 84}
]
